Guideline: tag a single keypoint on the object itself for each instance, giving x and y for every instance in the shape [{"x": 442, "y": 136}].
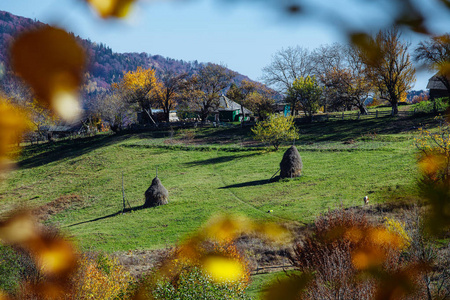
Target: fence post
[
  {"x": 376, "y": 115},
  {"x": 342, "y": 115},
  {"x": 359, "y": 114}
]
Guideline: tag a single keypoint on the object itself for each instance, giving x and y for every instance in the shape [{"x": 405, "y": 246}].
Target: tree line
[
  {"x": 332, "y": 78},
  {"x": 342, "y": 77},
  {"x": 143, "y": 91}
]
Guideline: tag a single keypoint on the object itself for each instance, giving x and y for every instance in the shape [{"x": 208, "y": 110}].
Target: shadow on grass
[
  {"x": 42, "y": 154},
  {"x": 251, "y": 183},
  {"x": 126, "y": 210},
  {"x": 218, "y": 160},
  {"x": 342, "y": 130}
]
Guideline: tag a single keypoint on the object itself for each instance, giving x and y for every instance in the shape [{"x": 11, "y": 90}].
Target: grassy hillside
[{"x": 77, "y": 183}]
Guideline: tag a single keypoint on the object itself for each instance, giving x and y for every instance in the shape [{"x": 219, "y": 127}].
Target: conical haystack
[
  {"x": 291, "y": 164},
  {"x": 156, "y": 194}
]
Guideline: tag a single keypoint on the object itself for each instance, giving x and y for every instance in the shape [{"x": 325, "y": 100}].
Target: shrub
[
  {"x": 10, "y": 269},
  {"x": 192, "y": 283},
  {"x": 275, "y": 130},
  {"x": 15, "y": 267},
  {"x": 101, "y": 278},
  {"x": 213, "y": 271},
  {"x": 350, "y": 258},
  {"x": 431, "y": 106}
]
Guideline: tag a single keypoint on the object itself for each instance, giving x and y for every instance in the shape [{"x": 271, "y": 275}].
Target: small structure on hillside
[
  {"x": 156, "y": 194},
  {"x": 230, "y": 111},
  {"x": 291, "y": 165}
]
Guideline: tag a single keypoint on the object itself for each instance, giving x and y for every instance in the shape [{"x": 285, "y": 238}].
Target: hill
[
  {"x": 77, "y": 183},
  {"x": 104, "y": 66}
]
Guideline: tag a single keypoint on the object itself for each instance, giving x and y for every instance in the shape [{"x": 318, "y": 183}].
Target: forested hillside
[{"x": 104, "y": 66}]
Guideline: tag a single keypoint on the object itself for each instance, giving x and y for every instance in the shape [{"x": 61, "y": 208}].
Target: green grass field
[{"x": 207, "y": 174}]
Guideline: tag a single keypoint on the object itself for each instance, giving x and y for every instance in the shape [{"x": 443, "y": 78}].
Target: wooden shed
[{"x": 439, "y": 86}]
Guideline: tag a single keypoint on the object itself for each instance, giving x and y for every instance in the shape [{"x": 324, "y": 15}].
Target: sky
[{"x": 243, "y": 35}]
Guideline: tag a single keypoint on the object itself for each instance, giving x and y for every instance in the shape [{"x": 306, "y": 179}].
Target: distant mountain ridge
[{"x": 103, "y": 65}]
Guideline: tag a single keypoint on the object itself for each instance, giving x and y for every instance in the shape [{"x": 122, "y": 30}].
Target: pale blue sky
[{"x": 242, "y": 36}]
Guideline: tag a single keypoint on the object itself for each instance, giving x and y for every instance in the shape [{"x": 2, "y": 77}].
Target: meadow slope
[{"x": 78, "y": 183}]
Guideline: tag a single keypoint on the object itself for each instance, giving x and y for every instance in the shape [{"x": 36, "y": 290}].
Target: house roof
[
  {"x": 435, "y": 84},
  {"x": 226, "y": 104},
  {"x": 62, "y": 128}
]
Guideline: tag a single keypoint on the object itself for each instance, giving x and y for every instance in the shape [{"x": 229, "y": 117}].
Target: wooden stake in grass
[
  {"x": 123, "y": 195},
  {"x": 124, "y": 199}
]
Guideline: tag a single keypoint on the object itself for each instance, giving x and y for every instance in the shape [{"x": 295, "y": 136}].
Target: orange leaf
[
  {"x": 51, "y": 62},
  {"x": 13, "y": 123}
]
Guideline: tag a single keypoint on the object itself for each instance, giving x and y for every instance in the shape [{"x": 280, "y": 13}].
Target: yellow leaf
[
  {"x": 19, "y": 228},
  {"x": 13, "y": 123},
  {"x": 111, "y": 8},
  {"x": 223, "y": 269},
  {"x": 226, "y": 228}
]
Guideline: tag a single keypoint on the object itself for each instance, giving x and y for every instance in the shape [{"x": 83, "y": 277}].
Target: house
[
  {"x": 158, "y": 116},
  {"x": 437, "y": 88},
  {"x": 230, "y": 111},
  {"x": 62, "y": 130},
  {"x": 282, "y": 108},
  {"x": 159, "y": 113}
]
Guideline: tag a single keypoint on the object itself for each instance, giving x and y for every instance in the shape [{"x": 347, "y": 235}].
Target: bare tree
[
  {"x": 389, "y": 66},
  {"x": 112, "y": 108},
  {"x": 343, "y": 75},
  {"x": 287, "y": 65},
  {"x": 172, "y": 86},
  {"x": 328, "y": 62},
  {"x": 435, "y": 53}
]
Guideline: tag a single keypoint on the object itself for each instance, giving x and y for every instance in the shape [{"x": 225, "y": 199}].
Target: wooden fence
[{"x": 356, "y": 115}]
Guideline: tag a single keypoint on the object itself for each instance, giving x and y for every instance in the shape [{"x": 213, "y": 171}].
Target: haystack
[
  {"x": 291, "y": 164},
  {"x": 156, "y": 194}
]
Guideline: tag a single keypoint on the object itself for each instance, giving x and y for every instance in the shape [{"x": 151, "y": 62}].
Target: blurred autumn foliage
[
  {"x": 345, "y": 257},
  {"x": 100, "y": 277}
]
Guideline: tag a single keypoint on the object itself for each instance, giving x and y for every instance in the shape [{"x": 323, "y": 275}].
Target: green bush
[
  {"x": 431, "y": 106},
  {"x": 15, "y": 266},
  {"x": 193, "y": 284},
  {"x": 9, "y": 269}
]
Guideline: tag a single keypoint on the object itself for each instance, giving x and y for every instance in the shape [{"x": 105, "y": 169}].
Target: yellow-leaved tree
[
  {"x": 139, "y": 87},
  {"x": 389, "y": 66},
  {"x": 170, "y": 89},
  {"x": 275, "y": 130}
]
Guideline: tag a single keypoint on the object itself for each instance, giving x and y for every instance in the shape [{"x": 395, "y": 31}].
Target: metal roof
[{"x": 226, "y": 104}]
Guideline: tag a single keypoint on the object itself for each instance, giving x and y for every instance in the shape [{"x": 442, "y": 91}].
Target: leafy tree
[
  {"x": 287, "y": 65},
  {"x": 275, "y": 130},
  {"x": 389, "y": 66},
  {"x": 171, "y": 87},
  {"x": 435, "y": 53},
  {"x": 261, "y": 102},
  {"x": 139, "y": 87},
  {"x": 203, "y": 89},
  {"x": 305, "y": 94},
  {"x": 40, "y": 116}
]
